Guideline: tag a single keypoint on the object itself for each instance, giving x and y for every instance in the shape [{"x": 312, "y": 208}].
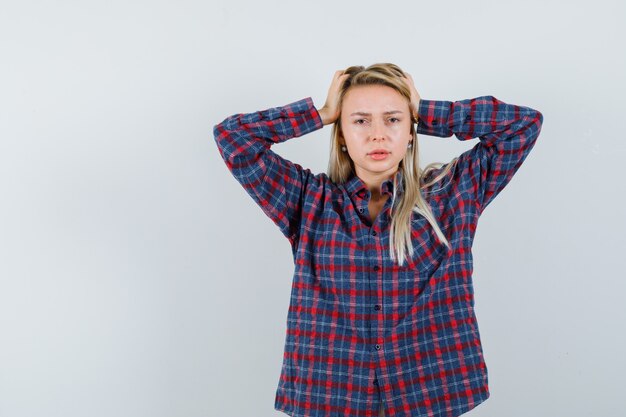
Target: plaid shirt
[{"x": 362, "y": 331}]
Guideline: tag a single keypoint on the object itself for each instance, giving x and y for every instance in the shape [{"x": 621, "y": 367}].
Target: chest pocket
[{"x": 428, "y": 252}]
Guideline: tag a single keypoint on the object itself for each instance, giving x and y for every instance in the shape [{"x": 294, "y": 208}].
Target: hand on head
[
  {"x": 330, "y": 111},
  {"x": 415, "y": 97}
]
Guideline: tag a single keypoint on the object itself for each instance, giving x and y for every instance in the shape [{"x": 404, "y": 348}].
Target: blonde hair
[{"x": 341, "y": 166}]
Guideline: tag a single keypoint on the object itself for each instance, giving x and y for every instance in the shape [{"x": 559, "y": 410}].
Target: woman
[{"x": 381, "y": 316}]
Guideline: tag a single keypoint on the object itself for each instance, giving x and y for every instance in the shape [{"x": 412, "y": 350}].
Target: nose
[{"x": 378, "y": 130}]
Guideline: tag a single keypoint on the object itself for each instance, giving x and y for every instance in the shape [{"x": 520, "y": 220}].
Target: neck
[{"x": 374, "y": 182}]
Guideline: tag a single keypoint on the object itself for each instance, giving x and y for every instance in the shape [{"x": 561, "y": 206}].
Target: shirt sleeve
[
  {"x": 275, "y": 183},
  {"x": 507, "y": 133}
]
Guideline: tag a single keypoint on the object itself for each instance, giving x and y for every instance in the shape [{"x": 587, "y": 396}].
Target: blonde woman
[{"x": 381, "y": 317}]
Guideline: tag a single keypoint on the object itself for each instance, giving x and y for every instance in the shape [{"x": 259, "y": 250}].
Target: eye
[
  {"x": 394, "y": 120},
  {"x": 359, "y": 121}
]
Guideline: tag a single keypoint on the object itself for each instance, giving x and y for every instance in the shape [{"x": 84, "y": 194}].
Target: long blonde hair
[{"x": 341, "y": 166}]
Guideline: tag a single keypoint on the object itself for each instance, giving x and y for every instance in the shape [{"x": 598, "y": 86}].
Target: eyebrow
[{"x": 360, "y": 113}]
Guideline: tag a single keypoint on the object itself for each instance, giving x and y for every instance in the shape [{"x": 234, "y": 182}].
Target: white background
[{"x": 137, "y": 278}]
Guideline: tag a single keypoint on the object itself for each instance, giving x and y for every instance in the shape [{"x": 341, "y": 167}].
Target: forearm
[
  {"x": 276, "y": 124},
  {"x": 242, "y": 138},
  {"x": 485, "y": 117}
]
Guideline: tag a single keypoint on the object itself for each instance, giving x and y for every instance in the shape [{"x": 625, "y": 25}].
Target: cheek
[
  {"x": 403, "y": 133},
  {"x": 350, "y": 134}
]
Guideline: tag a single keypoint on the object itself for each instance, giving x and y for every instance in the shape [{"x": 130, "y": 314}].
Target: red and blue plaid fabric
[{"x": 362, "y": 330}]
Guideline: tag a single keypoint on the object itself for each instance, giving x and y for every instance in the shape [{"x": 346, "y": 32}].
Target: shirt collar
[{"x": 355, "y": 184}]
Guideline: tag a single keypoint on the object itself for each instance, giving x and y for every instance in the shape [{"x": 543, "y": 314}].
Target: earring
[
  {"x": 343, "y": 148},
  {"x": 410, "y": 145}
]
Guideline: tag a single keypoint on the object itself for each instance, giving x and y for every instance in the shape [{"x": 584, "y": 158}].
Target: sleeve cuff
[
  {"x": 433, "y": 116},
  {"x": 303, "y": 115}
]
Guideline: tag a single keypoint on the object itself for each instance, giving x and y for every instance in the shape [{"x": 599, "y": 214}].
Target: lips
[{"x": 379, "y": 154}]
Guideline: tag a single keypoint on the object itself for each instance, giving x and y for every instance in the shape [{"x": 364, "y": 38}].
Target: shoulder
[{"x": 437, "y": 177}]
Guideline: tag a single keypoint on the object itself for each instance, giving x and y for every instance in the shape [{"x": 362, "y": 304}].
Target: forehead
[{"x": 373, "y": 99}]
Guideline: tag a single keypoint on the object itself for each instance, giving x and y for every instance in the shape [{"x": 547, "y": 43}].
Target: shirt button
[
  {"x": 375, "y": 382},
  {"x": 468, "y": 118},
  {"x": 377, "y": 347},
  {"x": 434, "y": 122},
  {"x": 374, "y": 233},
  {"x": 376, "y": 307},
  {"x": 361, "y": 210},
  {"x": 376, "y": 267}
]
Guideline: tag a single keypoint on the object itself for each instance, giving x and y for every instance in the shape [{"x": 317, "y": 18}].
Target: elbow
[
  {"x": 533, "y": 119},
  {"x": 538, "y": 120},
  {"x": 534, "y": 123},
  {"x": 216, "y": 133}
]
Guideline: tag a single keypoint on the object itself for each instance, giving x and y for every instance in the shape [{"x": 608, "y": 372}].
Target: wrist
[
  {"x": 415, "y": 110},
  {"x": 325, "y": 116}
]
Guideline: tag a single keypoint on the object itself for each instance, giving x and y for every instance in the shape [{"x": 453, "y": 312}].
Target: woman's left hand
[{"x": 415, "y": 97}]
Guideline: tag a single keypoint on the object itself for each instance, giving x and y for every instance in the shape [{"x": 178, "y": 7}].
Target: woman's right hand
[{"x": 330, "y": 111}]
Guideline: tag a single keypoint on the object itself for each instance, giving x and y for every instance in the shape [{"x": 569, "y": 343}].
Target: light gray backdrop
[{"x": 137, "y": 278}]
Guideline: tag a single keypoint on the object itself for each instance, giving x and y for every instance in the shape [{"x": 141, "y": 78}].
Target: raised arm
[
  {"x": 507, "y": 133},
  {"x": 275, "y": 183}
]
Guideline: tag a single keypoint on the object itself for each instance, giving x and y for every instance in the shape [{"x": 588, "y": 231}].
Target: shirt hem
[{"x": 454, "y": 412}]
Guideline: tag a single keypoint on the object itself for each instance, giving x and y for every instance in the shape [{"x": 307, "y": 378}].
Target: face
[{"x": 375, "y": 118}]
